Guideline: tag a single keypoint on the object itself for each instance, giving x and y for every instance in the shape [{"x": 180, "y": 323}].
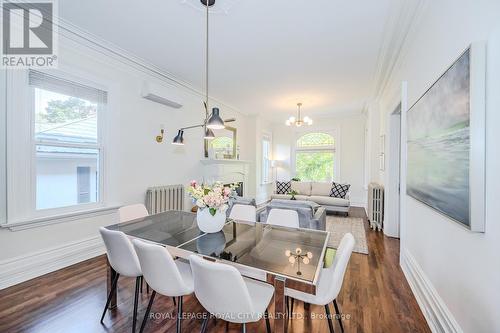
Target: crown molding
[
  {"x": 399, "y": 29},
  {"x": 76, "y": 34}
]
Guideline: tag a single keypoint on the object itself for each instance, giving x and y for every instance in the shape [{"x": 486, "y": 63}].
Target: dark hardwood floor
[{"x": 375, "y": 298}]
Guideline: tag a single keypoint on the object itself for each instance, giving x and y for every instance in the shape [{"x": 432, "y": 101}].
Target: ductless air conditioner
[{"x": 160, "y": 94}]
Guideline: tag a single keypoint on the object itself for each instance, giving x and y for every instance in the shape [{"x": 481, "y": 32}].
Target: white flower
[{"x": 215, "y": 196}]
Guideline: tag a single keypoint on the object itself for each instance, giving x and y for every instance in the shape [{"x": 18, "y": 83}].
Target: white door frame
[
  {"x": 392, "y": 174},
  {"x": 402, "y": 181}
]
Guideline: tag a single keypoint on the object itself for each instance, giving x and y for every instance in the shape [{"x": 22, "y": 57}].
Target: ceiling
[{"x": 266, "y": 55}]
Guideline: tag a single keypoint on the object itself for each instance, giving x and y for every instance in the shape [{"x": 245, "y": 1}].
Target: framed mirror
[{"x": 223, "y": 146}]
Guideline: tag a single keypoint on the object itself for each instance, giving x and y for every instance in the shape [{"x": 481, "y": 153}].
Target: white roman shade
[{"x": 49, "y": 82}]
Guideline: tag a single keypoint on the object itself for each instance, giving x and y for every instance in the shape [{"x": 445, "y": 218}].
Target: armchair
[{"x": 311, "y": 215}]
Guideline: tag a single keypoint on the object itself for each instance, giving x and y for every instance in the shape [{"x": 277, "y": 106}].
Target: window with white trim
[
  {"x": 266, "y": 159},
  {"x": 315, "y": 157},
  {"x": 66, "y": 141}
]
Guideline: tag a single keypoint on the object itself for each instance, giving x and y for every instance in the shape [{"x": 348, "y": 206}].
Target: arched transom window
[{"x": 315, "y": 157}]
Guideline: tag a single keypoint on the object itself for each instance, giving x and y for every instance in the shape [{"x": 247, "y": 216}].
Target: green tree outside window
[{"x": 315, "y": 157}]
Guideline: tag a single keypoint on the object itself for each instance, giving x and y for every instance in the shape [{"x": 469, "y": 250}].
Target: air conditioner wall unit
[{"x": 160, "y": 94}]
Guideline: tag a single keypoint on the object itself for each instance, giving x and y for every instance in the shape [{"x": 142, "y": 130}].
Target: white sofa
[{"x": 318, "y": 192}]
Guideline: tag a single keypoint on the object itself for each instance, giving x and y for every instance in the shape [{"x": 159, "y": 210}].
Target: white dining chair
[
  {"x": 123, "y": 259},
  {"x": 330, "y": 282},
  {"x": 283, "y": 217},
  {"x": 132, "y": 212},
  {"x": 243, "y": 213},
  {"x": 164, "y": 275},
  {"x": 224, "y": 293}
]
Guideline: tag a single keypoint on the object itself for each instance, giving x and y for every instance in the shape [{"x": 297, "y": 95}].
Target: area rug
[{"x": 339, "y": 226}]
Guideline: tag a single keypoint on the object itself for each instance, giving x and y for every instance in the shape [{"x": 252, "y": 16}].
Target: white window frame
[
  {"x": 21, "y": 154},
  {"x": 334, "y": 149},
  {"x": 266, "y": 174}
]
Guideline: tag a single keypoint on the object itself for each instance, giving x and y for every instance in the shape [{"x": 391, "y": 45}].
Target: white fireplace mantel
[
  {"x": 226, "y": 171},
  {"x": 209, "y": 161}
]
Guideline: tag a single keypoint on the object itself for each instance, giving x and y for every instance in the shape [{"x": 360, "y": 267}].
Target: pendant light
[
  {"x": 298, "y": 121},
  {"x": 179, "y": 138},
  {"x": 215, "y": 121},
  {"x": 212, "y": 120},
  {"x": 209, "y": 134}
]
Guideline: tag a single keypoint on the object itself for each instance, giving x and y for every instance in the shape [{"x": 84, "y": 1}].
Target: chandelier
[
  {"x": 212, "y": 121},
  {"x": 299, "y": 121}
]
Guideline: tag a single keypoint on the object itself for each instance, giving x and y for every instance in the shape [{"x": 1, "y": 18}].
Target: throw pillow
[
  {"x": 283, "y": 187},
  {"x": 339, "y": 190}
]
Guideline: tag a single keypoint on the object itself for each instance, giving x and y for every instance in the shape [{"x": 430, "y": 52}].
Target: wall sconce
[{"x": 159, "y": 138}]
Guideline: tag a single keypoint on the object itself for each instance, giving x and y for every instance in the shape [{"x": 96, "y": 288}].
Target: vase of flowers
[{"x": 212, "y": 202}]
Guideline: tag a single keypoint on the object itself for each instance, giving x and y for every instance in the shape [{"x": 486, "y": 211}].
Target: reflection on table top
[
  {"x": 171, "y": 228},
  {"x": 290, "y": 252}
]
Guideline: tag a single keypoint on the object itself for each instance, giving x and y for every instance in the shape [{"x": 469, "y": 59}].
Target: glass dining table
[{"x": 283, "y": 257}]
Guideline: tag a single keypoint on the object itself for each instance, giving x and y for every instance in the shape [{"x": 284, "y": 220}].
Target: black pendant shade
[
  {"x": 179, "y": 139},
  {"x": 215, "y": 121},
  {"x": 209, "y": 134}
]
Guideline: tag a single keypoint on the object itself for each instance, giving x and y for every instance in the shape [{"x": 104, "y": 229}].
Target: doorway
[{"x": 392, "y": 202}]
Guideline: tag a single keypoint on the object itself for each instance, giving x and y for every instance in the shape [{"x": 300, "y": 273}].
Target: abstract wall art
[{"x": 443, "y": 171}]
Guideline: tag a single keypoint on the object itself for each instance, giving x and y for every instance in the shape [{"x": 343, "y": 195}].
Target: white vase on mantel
[{"x": 210, "y": 223}]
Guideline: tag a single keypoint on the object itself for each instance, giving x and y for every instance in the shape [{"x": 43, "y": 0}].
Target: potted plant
[
  {"x": 212, "y": 202},
  {"x": 293, "y": 193}
]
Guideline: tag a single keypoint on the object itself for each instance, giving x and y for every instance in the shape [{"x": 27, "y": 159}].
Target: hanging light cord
[{"x": 206, "y": 68}]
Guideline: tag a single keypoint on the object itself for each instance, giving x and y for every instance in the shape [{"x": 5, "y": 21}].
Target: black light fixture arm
[{"x": 190, "y": 127}]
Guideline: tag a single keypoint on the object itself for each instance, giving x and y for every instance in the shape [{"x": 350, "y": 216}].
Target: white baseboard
[
  {"x": 438, "y": 316},
  {"x": 26, "y": 267}
]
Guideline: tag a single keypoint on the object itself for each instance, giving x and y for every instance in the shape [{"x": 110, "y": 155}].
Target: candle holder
[{"x": 298, "y": 256}]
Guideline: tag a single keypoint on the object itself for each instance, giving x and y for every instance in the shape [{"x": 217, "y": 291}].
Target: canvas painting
[{"x": 439, "y": 144}]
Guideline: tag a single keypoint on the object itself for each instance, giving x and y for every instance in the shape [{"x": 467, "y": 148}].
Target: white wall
[
  {"x": 3, "y": 158},
  {"x": 350, "y": 151},
  {"x": 261, "y": 126},
  {"x": 374, "y": 149},
  {"x": 133, "y": 159},
  {"x": 455, "y": 273}
]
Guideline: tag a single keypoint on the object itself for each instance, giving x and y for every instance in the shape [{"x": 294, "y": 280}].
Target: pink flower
[
  {"x": 193, "y": 183},
  {"x": 227, "y": 191}
]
